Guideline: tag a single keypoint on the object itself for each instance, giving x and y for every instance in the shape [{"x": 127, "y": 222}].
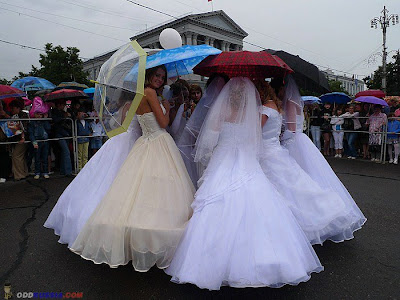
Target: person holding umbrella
[{"x": 144, "y": 213}]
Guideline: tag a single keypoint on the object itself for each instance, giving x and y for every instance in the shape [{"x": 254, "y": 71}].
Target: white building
[
  {"x": 351, "y": 85},
  {"x": 215, "y": 28}
]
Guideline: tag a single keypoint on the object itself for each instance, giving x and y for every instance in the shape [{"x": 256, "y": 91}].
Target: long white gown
[
  {"x": 321, "y": 213},
  {"x": 143, "y": 215},
  {"x": 78, "y": 201},
  {"x": 241, "y": 233},
  {"x": 310, "y": 159}
]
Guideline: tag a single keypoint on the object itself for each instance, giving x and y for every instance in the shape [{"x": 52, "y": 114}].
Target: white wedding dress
[
  {"x": 310, "y": 159},
  {"x": 241, "y": 233},
  {"x": 320, "y": 212},
  {"x": 78, "y": 201},
  {"x": 143, "y": 215}
]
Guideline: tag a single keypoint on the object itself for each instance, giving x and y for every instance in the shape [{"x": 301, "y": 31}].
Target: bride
[
  {"x": 320, "y": 212},
  {"x": 310, "y": 159},
  {"x": 241, "y": 233},
  {"x": 144, "y": 213}
]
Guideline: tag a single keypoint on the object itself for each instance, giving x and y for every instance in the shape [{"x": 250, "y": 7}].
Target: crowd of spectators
[
  {"x": 31, "y": 142},
  {"x": 355, "y": 130}
]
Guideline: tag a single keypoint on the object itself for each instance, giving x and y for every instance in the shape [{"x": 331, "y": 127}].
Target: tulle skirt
[
  {"x": 241, "y": 234},
  {"x": 84, "y": 193},
  {"x": 143, "y": 215},
  {"x": 310, "y": 159},
  {"x": 320, "y": 212}
]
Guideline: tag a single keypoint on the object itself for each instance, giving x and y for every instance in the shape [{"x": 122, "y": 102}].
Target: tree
[
  {"x": 58, "y": 65},
  {"x": 392, "y": 77},
  {"x": 336, "y": 86},
  {"x": 5, "y": 81}
]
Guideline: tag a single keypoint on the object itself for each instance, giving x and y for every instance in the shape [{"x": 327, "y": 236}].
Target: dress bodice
[
  {"x": 299, "y": 123},
  {"x": 149, "y": 125},
  {"x": 272, "y": 128}
]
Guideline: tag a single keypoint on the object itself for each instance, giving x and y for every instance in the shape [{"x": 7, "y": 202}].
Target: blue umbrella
[
  {"x": 335, "y": 97},
  {"x": 311, "y": 99},
  {"x": 33, "y": 84},
  {"x": 89, "y": 92},
  {"x": 178, "y": 61}
]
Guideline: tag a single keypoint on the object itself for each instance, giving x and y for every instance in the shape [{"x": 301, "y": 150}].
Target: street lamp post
[{"x": 384, "y": 20}]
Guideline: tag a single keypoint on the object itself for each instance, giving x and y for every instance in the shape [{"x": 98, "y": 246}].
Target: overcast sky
[{"x": 334, "y": 34}]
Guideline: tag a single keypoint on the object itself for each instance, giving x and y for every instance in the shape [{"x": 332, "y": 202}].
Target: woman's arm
[
  {"x": 264, "y": 119},
  {"x": 151, "y": 97}
]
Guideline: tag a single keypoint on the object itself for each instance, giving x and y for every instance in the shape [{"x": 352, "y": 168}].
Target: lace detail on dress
[{"x": 149, "y": 124}]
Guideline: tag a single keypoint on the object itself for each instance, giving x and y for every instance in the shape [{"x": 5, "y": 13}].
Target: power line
[
  {"x": 80, "y": 20},
  {"x": 23, "y": 46},
  {"x": 72, "y": 27},
  {"x": 149, "y": 8},
  {"x": 105, "y": 12}
]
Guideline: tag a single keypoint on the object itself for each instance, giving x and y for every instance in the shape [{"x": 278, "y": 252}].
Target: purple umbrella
[{"x": 372, "y": 100}]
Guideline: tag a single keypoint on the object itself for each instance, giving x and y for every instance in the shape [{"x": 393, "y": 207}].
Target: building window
[{"x": 218, "y": 44}]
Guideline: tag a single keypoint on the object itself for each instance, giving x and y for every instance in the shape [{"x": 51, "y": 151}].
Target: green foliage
[
  {"x": 336, "y": 86},
  {"x": 5, "y": 81},
  {"x": 58, "y": 65},
  {"x": 392, "y": 77}
]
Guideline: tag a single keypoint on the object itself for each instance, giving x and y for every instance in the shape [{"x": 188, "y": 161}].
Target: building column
[
  {"x": 188, "y": 38},
  {"x": 227, "y": 44},
  {"x": 183, "y": 38},
  {"x": 223, "y": 46},
  {"x": 207, "y": 41},
  {"x": 211, "y": 42},
  {"x": 194, "y": 39}
]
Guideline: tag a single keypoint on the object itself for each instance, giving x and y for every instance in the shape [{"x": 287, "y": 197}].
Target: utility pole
[{"x": 384, "y": 20}]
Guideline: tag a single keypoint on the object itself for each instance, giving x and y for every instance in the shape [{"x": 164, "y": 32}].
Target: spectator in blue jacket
[
  {"x": 84, "y": 130},
  {"x": 393, "y": 137}
]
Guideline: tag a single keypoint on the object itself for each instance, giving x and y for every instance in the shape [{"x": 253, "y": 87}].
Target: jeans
[
  {"x": 316, "y": 136},
  {"x": 351, "y": 138},
  {"x": 338, "y": 137},
  {"x": 65, "y": 165},
  {"x": 41, "y": 157}
]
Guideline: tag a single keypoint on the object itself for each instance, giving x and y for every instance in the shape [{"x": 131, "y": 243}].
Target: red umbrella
[
  {"x": 374, "y": 93},
  {"x": 64, "y": 94},
  {"x": 7, "y": 91},
  {"x": 243, "y": 64}
]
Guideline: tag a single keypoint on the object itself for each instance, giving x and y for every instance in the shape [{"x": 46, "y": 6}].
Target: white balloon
[{"x": 170, "y": 38}]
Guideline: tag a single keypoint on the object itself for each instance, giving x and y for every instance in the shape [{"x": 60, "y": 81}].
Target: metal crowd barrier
[
  {"x": 74, "y": 136},
  {"x": 383, "y": 132}
]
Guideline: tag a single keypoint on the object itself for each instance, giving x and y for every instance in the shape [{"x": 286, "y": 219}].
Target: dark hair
[
  {"x": 216, "y": 75},
  {"x": 177, "y": 88},
  {"x": 277, "y": 83},
  {"x": 378, "y": 106},
  {"x": 151, "y": 72},
  {"x": 16, "y": 103},
  {"x": 339, "y": 107},
  {"x": 195, "y": 88}
]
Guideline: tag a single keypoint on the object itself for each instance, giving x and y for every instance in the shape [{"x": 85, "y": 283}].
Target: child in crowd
[
  {"x": 84, "y": 130},
  {"x": 337, "y": 131},
  {"x": 393, "y": 138},
  {"x": 98, "y": 131},
  {"x": 39, "y": 130}
]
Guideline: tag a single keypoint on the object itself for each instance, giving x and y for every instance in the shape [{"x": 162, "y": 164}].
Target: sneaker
[
  {"x": 377, "y": 160},
  {"x": 372, "y": 159},
  {"x": 3, "y": 180},
  {"x": 46, "y": 176},
  {"x": 340, "y": 155},
  {"x": 395, "y": 162},
  {"x": 36, "y": 177},
  {"x": 353, "y": 157},
  {"x": 336, "y": 155},
  {"x": 349, "y": 157},
  {"x": 390, "y": 161}
]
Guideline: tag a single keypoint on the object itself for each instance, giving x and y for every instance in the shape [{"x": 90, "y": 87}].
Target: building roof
[{"x": 226, "y": 24}]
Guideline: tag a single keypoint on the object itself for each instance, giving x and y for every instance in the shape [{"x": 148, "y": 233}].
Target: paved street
[{"x": 367, "y": 267}]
